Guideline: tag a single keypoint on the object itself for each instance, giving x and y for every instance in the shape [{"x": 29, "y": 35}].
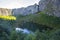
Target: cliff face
[
  {"x": 51, "y": 7},
  {"x": 25, "y": 11},
  {"x": 4, "y": 11}
]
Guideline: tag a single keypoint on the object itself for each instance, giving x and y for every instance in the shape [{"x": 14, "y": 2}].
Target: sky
[{"x": 10, "y": 4}]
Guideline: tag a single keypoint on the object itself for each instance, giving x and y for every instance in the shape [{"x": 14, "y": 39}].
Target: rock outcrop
[
  {"x": 51, "y": 7},
  {"x": 42, "y": 5},
  {"x": 25, "y": 11},
  {"x": 4, "y": 11}
]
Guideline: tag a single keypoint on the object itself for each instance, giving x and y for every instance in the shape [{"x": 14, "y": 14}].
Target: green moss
[
  {"x": 41, "y": 18},
  {"x": 45, "y": 19}
]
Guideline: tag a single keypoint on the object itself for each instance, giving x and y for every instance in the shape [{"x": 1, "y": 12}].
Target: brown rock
[{"x": 5, "y": 11}]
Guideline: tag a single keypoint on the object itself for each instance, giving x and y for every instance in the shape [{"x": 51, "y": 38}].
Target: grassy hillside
[
  {"x": 45, "y": 19},
  {"x": 41, "y": 18}
]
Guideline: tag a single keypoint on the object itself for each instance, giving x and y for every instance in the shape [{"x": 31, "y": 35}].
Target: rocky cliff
[
  {"x": 51, "y": 7},
  {"x": 4, "y": 11},
  {"x": 25, "y": 11}
]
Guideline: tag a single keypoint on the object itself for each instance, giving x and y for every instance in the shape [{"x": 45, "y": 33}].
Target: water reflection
[{"x": 23, "y": 30}]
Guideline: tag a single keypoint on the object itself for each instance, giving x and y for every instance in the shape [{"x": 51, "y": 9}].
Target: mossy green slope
[{"x": 41, "y": 18}]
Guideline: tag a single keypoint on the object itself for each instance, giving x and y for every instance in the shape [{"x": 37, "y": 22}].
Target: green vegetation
[
  {"x": 45, "y": 19},
  {"x": 41, "y": 18},
  {"x": 43, "y": 26}
]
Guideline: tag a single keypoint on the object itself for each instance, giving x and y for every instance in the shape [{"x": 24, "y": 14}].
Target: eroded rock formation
[{"x": 4, "y": 11}]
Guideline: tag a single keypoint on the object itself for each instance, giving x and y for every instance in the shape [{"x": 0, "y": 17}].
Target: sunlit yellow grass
[{"x": 8, "y": 17}]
